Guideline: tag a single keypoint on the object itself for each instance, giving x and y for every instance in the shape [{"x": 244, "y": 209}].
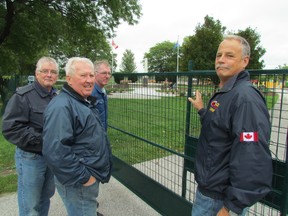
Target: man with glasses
[
  {"x": 102, "y": 77},
  {"x": 23, "y": 126}
]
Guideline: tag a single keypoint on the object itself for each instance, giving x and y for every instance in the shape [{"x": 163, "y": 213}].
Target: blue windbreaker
[
  {"x": 75, "y": 144},
  {"x": 233, "y": 161}
]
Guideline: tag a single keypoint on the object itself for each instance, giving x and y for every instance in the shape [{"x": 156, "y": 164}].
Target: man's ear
[
  {"x": 68, "y": 79},
  {"x": 246, "y": 61}
]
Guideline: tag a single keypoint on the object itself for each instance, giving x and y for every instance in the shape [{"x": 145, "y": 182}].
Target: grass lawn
[
  {"x": 158, "y": 121},
  {"x": 162, "y": 122},
  {"x": 8, "y": 176}
]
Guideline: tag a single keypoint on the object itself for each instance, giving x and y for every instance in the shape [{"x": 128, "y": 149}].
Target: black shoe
[{"x": 99, "y": 214}]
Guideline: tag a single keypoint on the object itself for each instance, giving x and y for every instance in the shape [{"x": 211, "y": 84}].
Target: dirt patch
[{"x": 7, "y": 172}]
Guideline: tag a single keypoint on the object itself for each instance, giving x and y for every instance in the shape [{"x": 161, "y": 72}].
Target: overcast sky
[{"x": 166, "y": 20}]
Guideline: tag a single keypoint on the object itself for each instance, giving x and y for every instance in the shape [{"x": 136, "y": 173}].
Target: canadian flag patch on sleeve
[{"x": 249, "y": 137}]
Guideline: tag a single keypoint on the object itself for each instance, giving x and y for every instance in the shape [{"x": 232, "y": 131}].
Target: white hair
[{"x": 70, "y": 65}]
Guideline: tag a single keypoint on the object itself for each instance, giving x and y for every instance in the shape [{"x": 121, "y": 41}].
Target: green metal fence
[
  {"x": 154, "y": 131},
  {"x": 8, "y": 84}
]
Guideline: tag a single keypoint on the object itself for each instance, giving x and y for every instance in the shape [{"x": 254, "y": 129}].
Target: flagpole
[
  {"x": 177, "y": 68},
  {"x": 178, "y": 54},
  {"x": 112, "y": 62}
]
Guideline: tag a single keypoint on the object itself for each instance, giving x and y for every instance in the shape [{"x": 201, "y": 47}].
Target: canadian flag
[
  {"x": 114, "y": 44},
  {"x": 249, "y": 137}
]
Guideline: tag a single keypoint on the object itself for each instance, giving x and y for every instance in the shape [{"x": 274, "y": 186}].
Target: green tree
[
  {"x": 201, "y": 48},
  {"x": 285, "y": 66},
  {"x": 257, "y": 51},
  {"x": 128, "y": 64},
  {"x": 162, "y": 57},
  {"x": 61, "y": 29}
]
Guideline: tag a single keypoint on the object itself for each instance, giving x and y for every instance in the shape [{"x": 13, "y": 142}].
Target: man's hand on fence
[{"x": 197, "y": 102}]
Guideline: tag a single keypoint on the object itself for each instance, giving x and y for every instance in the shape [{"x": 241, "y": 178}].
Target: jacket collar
[
  {"x": 43, "y": 91},
  {"x": 75, "y": 94},
  {"x": 99, "y": 89},
  {"x": 243, "y": 75}
]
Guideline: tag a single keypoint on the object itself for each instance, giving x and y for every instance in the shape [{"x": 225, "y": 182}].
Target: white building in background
[{"x": 145, "y": 65}]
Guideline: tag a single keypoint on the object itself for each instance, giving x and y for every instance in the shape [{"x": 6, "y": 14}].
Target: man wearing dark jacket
[
  {"x": 233, "y": 161},
  {"x": 75, "y": 143},
  {"x": 22, "y": 126},
  {"x": 102, "y": 77}
]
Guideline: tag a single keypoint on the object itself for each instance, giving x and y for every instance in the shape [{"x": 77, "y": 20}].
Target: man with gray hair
[
  {"x": 22, "y": 126},
  {"x": 75, "y": 144},
  {"x": 233, "y": 165},
  {"x": 102, "y": 77}
]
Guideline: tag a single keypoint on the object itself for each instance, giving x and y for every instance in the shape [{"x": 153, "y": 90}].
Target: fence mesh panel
[{"x": 149, "y": 122}]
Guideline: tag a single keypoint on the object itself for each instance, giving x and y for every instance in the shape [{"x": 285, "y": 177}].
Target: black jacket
[
  {"x": 23, "y": 117},
  {"x": 233, "y": 161}
]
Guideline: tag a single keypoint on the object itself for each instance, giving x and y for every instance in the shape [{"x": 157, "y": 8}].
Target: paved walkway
[
  {"x": 114, "y": 198},
  {"x": 279, "y": 126}
]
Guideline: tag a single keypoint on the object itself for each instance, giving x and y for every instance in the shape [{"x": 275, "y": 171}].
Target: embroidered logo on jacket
[
  {"x": 213, "y": 106},
  {"x": 249, "y": 137}
]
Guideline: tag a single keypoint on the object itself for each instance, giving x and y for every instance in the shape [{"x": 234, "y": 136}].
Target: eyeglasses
[
  {"x": 45, "y": 71},
  {"x": 105, "y": 73}
]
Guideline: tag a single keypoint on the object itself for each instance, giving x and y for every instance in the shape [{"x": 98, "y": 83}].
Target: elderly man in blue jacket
[
  {"x": 102, "y": 77},
  {"x": 233, "y": 161},
  {"x": 75, "y": 144}
]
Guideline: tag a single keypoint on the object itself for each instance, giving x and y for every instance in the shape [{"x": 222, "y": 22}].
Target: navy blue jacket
[
  {"x": 23, "y": 117},
  {"x": 233, "y": 161},
  {"x": 101, "y": 104},
  {"x": 75, "y": 145}
]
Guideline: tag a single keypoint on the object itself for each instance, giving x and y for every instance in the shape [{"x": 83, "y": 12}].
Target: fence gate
[{"x": 154, "y": 132}]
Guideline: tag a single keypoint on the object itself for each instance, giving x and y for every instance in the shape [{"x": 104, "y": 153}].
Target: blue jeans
[
  {"x": 79, "y": 200},
  {"x": 206, "y": 206},
  {"x": 35, "y": 184}
]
